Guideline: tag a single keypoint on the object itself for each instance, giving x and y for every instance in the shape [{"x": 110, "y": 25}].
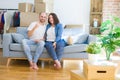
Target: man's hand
[
  {"x": 36, "y": 26},
  {"x": 38, "y": 40},
  {"x": 31, "y": 31}
]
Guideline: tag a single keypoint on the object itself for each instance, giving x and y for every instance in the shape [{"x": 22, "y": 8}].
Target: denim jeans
[
  {"x": 39, "y": 49},
  {"x": 56, "y": 54}
]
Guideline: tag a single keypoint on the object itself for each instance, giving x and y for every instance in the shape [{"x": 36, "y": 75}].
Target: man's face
[{"x": 43, "y": 17}]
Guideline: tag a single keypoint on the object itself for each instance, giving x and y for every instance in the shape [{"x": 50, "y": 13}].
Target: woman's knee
[{"x": 60, "y": 44}]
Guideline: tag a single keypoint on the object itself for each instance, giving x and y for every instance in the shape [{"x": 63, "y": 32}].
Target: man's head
[{"x": 42, "y": 17}]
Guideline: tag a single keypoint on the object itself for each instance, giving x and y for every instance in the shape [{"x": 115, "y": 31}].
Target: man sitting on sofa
[{"x": 36, "y": 32}]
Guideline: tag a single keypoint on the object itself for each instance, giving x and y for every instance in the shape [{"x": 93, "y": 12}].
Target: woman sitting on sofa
[{"x": 54, "y": 44}]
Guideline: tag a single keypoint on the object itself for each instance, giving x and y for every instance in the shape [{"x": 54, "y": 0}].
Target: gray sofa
[{"x": 14, "y": 50}]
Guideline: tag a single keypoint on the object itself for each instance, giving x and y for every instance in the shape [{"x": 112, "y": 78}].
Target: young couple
[{"x": 44, "y": 35}]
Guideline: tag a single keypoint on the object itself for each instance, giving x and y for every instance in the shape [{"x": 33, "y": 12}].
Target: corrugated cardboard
[
  {"x": 48, "y": 5},
  {"x": 11, "y": 30},
  {"x": 98, "y": 72},
  {"x": 27, "y": 17},
  {"x": 40, "y": 7},
  {"x": 25, "y": 7},
  {"x": 39, "y": 1},
  {"x": 77, "y": 75}
]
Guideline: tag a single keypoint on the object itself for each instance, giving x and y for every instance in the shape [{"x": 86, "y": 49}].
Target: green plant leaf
[
  {"x": 111, "y": 40},
  {"x": 104, "y": 25},
  {"x": 117, "y": 42},
  {"x": 93, "y": 48}
]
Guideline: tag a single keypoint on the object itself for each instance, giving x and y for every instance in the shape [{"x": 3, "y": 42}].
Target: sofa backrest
[
  {"x": 22, "y": 30},
  {"x": 74, "y": 34}
]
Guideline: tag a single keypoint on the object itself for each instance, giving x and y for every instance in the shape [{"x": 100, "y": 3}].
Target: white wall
[
  {"x": 72, "y": 11},
  {"x": 68, "y": 11}
]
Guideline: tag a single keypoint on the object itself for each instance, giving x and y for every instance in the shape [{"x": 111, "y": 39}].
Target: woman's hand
[{"x": 54, "y": 45}]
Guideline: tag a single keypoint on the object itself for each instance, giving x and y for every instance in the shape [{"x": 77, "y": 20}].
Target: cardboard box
[
  {"x": 12, "y": 30},
  {"x": 40, "y": 7},
  {"x": 46, "y": 1},
  {"x": 77, "y": 75},
  {"x": 98, "y": 72},
  {"x": 25, "y": 7},
  {"x": 39, "y": 1},
  {"x": 26, "y": 18},
  {"x": 49, "y": 4}
]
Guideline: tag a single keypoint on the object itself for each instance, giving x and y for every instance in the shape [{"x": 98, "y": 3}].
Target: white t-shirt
[
  {"x": 38, "y": 33},
  {"x": 51, "y": 34}
]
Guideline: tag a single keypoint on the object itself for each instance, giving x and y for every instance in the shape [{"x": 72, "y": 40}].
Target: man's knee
[{"x": 24, "y": 40}]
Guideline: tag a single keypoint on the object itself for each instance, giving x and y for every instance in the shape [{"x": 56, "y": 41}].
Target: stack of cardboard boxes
[
  {"x": 30, "y": 13},
  {"x": 28, "y": 17},
  {"x": 25, "y": 7},
  {"x": 43, "y": 6}
]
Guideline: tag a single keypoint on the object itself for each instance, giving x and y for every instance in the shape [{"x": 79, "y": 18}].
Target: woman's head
[{"x": 53, "y": 19}]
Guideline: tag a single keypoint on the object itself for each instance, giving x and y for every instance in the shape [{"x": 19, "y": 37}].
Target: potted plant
[
  {"x": 93, "y": 49},
  {"x": 110, "y": 40}
]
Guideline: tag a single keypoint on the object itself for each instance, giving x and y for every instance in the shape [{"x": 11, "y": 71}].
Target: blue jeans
[
  {"x": 56, "y": 54},
  {"x": 39, "y": 49}
]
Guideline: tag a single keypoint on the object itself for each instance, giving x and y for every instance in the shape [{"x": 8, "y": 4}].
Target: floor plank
[{"x": 19, "y": 70}]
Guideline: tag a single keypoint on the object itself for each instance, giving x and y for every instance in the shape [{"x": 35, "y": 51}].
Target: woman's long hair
[{"x": 55, "y": 18}]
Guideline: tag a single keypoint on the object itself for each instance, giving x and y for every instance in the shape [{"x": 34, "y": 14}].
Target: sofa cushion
[
  {"x": 18, "y": 47},
  {"x": 81, "y": 39},
  {"x": 74, "y": 35},
  {"x": 75, "y": 48},
  {"x": 17, "y": 37},
  {"x": 76, "y": 39},
  {"x": 68, "y": 49},
  {"x": 22, "y": 30}
]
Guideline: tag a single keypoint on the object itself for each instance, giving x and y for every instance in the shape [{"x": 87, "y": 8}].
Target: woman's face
[{"x": 51, "y": 20}]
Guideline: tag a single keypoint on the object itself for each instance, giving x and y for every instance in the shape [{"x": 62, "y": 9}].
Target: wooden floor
[{"x": 19, "y": 70}]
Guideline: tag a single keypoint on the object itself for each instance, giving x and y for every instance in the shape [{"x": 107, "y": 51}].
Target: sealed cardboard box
[
  {"x": 77, "y": 75},
  {"x": 40, "y": 7},
  {"x": 39, "y": 1},
  {"x": 46, "y": 1},
  {"x": 26, "y": 18},
  {"x": 98, "y": 72},
  {"x": 48, "y": 5},
  {"x": 25, "y": 7},
  {"x": 11, "y": 30}
]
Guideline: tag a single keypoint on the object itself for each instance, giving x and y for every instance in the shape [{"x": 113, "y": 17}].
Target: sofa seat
[{"x": 68, "y": 49}]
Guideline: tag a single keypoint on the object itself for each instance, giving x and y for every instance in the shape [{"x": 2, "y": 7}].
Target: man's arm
[{"x": 30, "y": 32}]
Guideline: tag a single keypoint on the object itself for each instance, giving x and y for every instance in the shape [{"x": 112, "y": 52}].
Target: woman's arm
[{"x": 59, "y": 31}]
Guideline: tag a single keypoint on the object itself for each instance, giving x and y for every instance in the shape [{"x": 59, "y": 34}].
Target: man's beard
[{"x": 42, "y": 21}]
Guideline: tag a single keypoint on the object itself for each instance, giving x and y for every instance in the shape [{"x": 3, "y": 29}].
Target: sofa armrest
[
  {"x": 7, "y": 39},
  {"x": 92, "y": 38}
]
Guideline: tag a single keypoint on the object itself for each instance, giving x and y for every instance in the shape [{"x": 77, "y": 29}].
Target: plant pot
[{"x": 92, "y": 58}]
